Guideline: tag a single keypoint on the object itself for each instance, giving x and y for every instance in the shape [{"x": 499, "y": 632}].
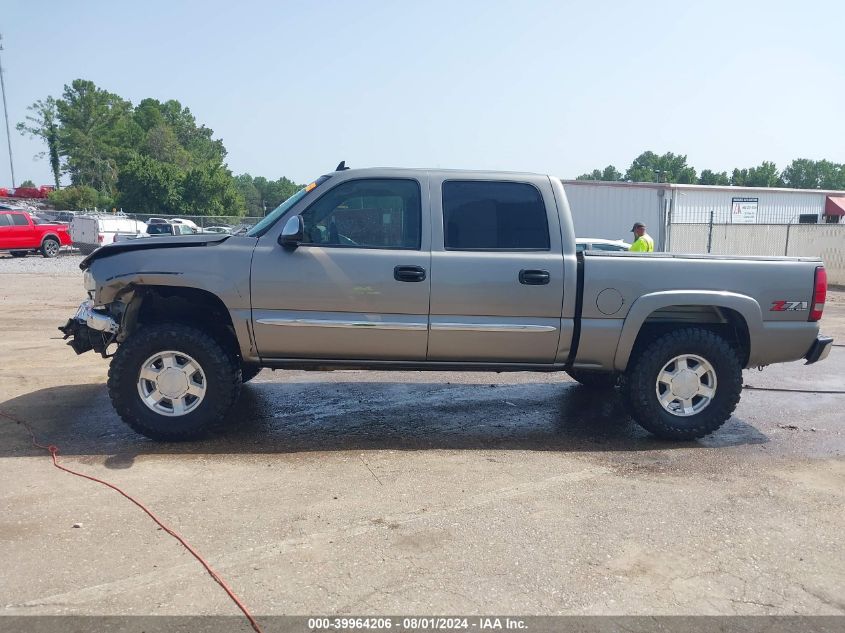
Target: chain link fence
[
  {"x": 203, "y": 221},
  {"x": 791, "y": 239}
]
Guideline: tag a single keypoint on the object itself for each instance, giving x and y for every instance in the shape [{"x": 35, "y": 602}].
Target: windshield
[{"x": 259, "y": 229}]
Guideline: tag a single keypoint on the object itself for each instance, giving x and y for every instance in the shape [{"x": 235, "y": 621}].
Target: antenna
[
  {"x": 6, "y": 114},
  {"x": 341, "y": 166}
]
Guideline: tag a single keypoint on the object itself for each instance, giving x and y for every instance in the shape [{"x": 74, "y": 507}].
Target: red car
[{"x": 21, "y": 233}]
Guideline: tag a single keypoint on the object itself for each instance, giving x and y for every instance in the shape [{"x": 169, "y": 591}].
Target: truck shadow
[{"x": 274, "y": 417}]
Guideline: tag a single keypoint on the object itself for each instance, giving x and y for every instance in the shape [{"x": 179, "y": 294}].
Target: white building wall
[
  {"x": 774, "y": 207},
  {"x": 607, "y": 211}
]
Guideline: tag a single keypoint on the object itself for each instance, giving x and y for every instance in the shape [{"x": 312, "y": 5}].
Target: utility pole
[{"x": 6, "y": 114}]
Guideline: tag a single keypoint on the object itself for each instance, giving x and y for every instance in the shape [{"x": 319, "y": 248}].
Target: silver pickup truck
[{"x": 436, "y": 270}]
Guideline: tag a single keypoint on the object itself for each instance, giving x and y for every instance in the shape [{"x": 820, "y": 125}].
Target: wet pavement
[{"x": 420, "y": 492}]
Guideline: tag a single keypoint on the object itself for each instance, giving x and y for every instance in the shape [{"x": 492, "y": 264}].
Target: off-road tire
[
  {"x": 248, "y": 372},
  {"x": 19, "y": 253},
  {"x": 593, "y": 379},
  {"x": 222, "y": 373},
  {"x": 47, "y": 248},
  {"x": 639, "y": 384}
]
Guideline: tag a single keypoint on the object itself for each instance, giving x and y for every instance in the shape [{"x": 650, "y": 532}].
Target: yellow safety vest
[{"x": 643, "y": 244}]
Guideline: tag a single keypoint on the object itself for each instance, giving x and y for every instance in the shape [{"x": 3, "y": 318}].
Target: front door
[
  {"x": 358, "y": 286},
  {"x": 496, "y": 271}
]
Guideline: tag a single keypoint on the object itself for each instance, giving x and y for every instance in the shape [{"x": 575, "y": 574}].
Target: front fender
[{"x": 746, "y": 306}]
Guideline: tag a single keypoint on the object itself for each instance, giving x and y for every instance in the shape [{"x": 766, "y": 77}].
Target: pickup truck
[
  {"x": 436, "y": 270},
  {"x": 22, "y": 234}
]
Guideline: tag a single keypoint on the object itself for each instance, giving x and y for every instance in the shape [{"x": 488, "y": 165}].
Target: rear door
[
  {"x": 84, "y": 230},
  {"x": 358, "y": 286},
  {"x": 496, "y": 271}
]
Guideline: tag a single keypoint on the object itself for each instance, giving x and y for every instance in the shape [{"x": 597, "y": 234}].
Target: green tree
[
  {"x": 831, "y": 175},
  {"x": 250, "y": 194},
  {"x": 764, "y": 175},
  {"x": 609, "y": 173},
  {"x": 709, "y": 177},
  {"x": 211, "y": 190},
  {"x": 162, "y": 145},
  {"x": 150, "y": 186},
  {"x": 804, "y": 173},
  {"x": 78, "y": 197},
  {"x": 95, "y": 135},
  {"x": 42, "y": 123},
  {"x": 27, "y": 184},
  {"x": 669, "y": 167}
]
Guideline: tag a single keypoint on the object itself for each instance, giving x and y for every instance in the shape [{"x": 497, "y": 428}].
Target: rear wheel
[
  {"x": 172, "y": 382},
  {"x": 684, "y": 385},
  {"x": 50, "y": 247},
  {"x": 593, "y": 379},
  {"x": 19, "y": 253}
]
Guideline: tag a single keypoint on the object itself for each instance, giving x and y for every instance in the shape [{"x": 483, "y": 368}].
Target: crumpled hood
[{"x": 140, "y": 244}]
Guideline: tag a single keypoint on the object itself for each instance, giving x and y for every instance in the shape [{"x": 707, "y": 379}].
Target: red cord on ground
[{"x": 54, "y": 452}]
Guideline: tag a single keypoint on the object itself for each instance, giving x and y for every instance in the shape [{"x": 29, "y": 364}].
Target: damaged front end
[{"x": 90, "y": 329}]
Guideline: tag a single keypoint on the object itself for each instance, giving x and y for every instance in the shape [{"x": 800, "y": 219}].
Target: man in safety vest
[{"x": 642, "y": 240}]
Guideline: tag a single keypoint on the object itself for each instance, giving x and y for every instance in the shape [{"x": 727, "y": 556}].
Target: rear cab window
[
  {"x": 481, "y": 215},
  {"x": 19, "y": 219}
]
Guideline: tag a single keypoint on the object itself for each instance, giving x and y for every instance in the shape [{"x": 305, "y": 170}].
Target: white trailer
[{"x": 90, "y": 231}]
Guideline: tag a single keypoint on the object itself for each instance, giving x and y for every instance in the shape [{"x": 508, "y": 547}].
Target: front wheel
[
  {"x": 172, "y": 382},
  {"x": 248, "y": 372},
  {"x": 50, "y": 247},
  {"x": 684, "y": 385}
]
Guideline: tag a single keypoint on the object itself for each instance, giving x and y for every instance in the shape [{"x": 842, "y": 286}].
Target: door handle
[
  {"x": 534, "y": 277},
  {"x": 409, "y": 273}
]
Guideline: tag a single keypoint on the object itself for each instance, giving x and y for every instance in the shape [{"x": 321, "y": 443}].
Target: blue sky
[{"x": 557, "y": 87}]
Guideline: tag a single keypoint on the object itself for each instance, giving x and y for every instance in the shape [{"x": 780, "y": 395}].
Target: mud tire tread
[{"x": 639, "y": 384}]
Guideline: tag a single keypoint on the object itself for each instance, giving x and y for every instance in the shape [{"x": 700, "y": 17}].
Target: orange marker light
[{"x": 310, "y": 187}]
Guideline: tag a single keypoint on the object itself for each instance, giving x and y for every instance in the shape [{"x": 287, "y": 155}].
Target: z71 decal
[{"x": 788, "y": 306}]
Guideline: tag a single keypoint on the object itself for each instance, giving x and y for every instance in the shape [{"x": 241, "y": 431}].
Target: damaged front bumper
[{"x": 89, "y": 329}]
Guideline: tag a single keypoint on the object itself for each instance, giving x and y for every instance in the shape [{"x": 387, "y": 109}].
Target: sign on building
[{"x": 744, "y": 210}]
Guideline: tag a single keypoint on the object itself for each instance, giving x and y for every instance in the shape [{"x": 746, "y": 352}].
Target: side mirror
[{"x": 293, "y": 233}]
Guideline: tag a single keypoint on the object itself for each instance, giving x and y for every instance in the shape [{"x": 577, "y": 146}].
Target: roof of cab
[{"x": 430, "y": 170}]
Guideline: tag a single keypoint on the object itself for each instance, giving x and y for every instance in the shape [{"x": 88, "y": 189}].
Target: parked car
[
  {"x": 597, "y": 244},
  {"x": 58, "y": 216},
  {"x": 90, "y": 231},
  {"x": 216, "y": 229},
  {"x": 436, "y": 270},
  {"x": 157, "y": 228},
  {"x": 189, "y": 223},
  {"x": 21, "y": 233}
]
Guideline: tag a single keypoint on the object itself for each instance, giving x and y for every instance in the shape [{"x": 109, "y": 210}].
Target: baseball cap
[{"x": 637, "y": 225}]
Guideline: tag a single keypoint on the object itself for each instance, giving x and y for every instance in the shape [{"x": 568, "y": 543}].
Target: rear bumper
[{"x": 819, "y": 349}]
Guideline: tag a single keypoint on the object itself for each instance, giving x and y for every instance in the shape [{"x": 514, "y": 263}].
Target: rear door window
[
  {"x": 481, "y": 215},
  {"x": 19, "y": 219}
]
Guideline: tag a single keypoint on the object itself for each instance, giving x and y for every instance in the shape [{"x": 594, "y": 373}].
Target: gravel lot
[
  {"x": 66, "y": 263},
  {"x": 413, "y": 492}
]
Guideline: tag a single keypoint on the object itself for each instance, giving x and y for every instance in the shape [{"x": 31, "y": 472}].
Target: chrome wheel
[
  {"x": 171, "y": 383},
  {"x": 686, "y": 385},
  {"x": 51, "y": 248}
]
